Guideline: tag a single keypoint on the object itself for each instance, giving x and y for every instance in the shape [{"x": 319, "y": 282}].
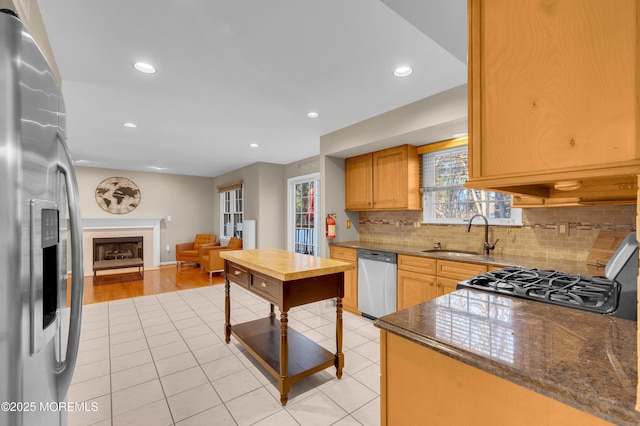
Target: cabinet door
[
  {"x": 415, "y": 288},
  {"x": 358, "y": 176},
  {"x": 447, "y": 285},
  {"x": 412, "y": 374},
  {"x": 350, "y": 299},
  {"x": 390, "y": 178},
  {"x": 553, "y": 83},
  {"x": 346, "y": 254}
]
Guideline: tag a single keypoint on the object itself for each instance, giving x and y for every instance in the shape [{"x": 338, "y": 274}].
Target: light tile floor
[{"x": 161, "y": 360}]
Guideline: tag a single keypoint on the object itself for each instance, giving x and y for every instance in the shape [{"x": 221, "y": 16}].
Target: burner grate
[{"x": 594, "y": 294}]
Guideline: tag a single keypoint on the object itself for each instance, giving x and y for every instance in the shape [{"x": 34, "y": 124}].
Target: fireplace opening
[{"x": 118, "y": 253}]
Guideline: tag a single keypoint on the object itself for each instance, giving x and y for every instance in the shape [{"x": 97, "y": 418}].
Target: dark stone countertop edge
[{"x": 612, "y": 413}]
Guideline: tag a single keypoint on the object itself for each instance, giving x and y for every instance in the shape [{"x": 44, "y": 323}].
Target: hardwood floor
[{"x": 165, "y": 279}]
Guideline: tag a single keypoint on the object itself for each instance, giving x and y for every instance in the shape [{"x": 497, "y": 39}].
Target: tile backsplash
[{"x": 537, "y": 237}]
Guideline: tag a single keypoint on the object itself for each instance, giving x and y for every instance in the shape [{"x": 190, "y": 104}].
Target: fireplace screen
[
  {"x": 118, "y": 253},
  {"x": 117, "y": 248}
]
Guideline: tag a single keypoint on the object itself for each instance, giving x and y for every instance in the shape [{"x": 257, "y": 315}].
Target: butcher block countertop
[
  {"x": 585, "y": 360},
  {"x": 285, "y": 265}
]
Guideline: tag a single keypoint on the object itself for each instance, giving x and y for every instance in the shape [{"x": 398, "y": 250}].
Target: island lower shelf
[{"x": 261, "y": 337}]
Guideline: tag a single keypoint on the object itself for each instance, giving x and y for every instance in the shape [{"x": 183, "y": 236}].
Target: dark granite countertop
[
  {"x": 568, "y": 266},
  {"x": 582, "y": 359}
]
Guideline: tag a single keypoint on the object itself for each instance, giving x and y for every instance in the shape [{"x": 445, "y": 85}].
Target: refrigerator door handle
[{"x": 77, "y": 271}]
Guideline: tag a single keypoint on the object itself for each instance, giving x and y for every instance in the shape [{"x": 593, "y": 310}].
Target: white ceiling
[{"x": 235, "y": 72}]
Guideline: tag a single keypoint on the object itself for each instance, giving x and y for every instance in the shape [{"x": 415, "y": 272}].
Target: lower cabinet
[
  {"x": 416, "y": 280},
  {"x": 450, "y": 273},
  {"x": 419, "y": 386},
  {"x": 419, "y": 278},
  {"x": 422, "y": 278},
  {"x": 346, "y": 254},
  {"x": 415, "y": 288}
]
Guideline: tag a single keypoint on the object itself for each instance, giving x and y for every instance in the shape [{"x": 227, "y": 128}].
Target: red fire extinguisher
[{"x": 331, "y": 226}]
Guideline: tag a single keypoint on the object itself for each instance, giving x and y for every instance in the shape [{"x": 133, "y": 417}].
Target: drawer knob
[
  {"x": 236, "y": 272},
  {"x": 263, "y": 284}
]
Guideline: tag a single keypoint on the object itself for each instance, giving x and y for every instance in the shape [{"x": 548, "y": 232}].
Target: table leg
[
  {"x": 339, "y": 361},
  {"x": 272, "y": 313},
  {"x": 283, "y": 383},
  {"x": 227, "y": 312}
]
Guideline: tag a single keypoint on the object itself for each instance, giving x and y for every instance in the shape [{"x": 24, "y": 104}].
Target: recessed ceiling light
[
  {"x": 145, "y": 68},
  {"x": 403, "y": 71},
  {"x": 130, "y": 125},
  {"x": 460, "y": 135},
  {"x": 254, "y": 145},
  {"x": 313, "y": 114}
]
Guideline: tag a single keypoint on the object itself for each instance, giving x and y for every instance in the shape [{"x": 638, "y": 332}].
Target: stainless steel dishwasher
[{"x": 376, "y": 282}]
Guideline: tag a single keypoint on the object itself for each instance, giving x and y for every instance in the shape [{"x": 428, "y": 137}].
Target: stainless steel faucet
[{"x": 487, "y": 246}]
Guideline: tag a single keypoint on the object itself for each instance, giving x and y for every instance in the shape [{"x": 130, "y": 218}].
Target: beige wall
[
  {"x": 188, "y": 199},
  {"x": 427, "y": 120},
  {"x": 265, "y": 197},
  {"x": 264, "y": 201},
  {"x": 193, "y": 202}
]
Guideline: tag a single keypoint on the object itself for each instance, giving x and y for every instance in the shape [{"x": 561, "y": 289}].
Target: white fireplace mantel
[{"x": 128, "y": 223}]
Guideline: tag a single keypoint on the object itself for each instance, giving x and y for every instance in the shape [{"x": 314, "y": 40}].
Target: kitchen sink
[{"x": 460, "y": 253}]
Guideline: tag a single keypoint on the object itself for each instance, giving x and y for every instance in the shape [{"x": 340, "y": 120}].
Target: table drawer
[
  {"x": 238, "y": 274},
  {"x": 267, "y": 287}
]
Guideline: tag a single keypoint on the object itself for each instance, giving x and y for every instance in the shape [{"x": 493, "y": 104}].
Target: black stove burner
[{"x": 593, "y": 294}]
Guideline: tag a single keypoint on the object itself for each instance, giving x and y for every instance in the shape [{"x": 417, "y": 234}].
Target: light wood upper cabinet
[
  {"x": 358, "y": 176},
  {"x": 383, "y": 180},
  {"x": 553, "y": 98}
]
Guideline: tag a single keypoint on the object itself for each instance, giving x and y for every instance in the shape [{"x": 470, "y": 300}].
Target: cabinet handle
[
  {"x": 236, "y": 272},
  {"x": 263, "y": 284}
]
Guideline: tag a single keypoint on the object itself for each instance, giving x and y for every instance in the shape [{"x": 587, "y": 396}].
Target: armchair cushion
[{"x": 202, "y": 239}]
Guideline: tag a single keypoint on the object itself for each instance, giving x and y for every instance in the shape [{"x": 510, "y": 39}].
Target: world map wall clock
[{"x": 118, "y": 195}]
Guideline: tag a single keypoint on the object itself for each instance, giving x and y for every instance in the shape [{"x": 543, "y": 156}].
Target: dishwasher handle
[{"x": 378, "y": 256}]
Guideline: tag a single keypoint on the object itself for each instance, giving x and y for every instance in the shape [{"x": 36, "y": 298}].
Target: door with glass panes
[{"x": 304, "y": 194}]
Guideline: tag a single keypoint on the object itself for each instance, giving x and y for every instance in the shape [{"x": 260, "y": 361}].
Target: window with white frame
[
  {"x": 231, "y": 211},
  {"x": 445, "y": 200}
]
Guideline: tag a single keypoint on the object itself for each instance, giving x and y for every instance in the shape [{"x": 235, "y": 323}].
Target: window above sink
[{"x": 444, "y": 198}]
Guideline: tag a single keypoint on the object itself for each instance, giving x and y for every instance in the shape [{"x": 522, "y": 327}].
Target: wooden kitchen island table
[{"x": 285, "y": 279}]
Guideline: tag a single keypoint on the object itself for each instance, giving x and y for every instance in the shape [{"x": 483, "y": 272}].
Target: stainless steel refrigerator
[{"x": 39, "y": 214}]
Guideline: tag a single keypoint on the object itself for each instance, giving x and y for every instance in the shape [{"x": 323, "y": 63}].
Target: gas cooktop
[{"x": 594, "y": 294}]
